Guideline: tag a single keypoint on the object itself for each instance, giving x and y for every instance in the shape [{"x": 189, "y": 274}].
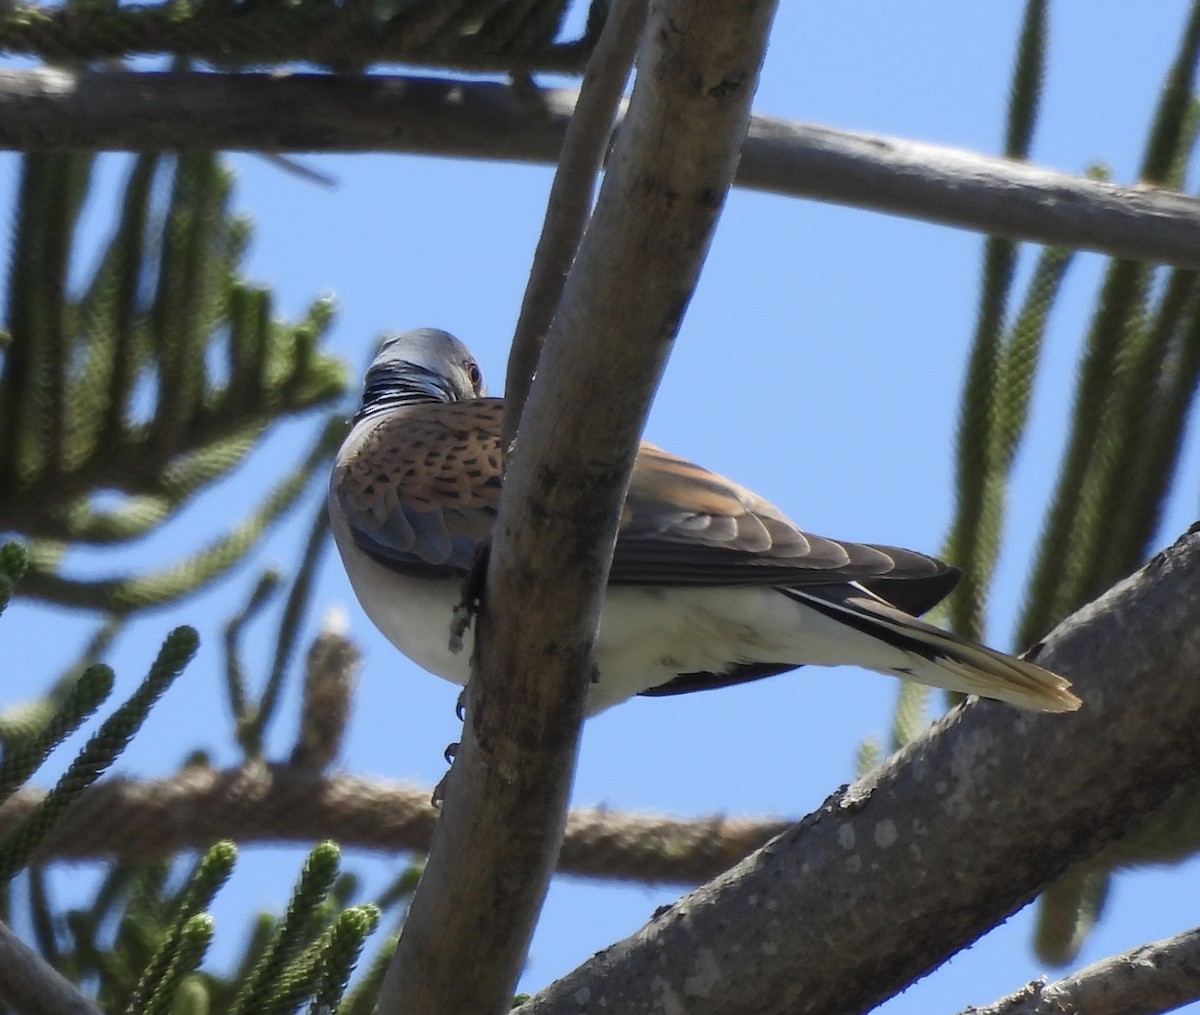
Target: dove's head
[{"x": 422, "y": 365}]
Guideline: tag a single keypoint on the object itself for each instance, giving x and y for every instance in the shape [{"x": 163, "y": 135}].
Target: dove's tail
[{"x": 918, "y": 651}]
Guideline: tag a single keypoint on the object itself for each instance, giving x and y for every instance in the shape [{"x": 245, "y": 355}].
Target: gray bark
[
  {"x": 947, "y": 838},
  {"x": 53, "y": 109}
]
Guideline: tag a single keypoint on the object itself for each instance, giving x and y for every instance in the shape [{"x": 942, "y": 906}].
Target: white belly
[
  {"x": 412, "y": 613},
  {"x": 647, "y": 636}
]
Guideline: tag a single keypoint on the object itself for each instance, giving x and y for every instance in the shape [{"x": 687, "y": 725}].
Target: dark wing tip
[{"x": 917, "y": 583}]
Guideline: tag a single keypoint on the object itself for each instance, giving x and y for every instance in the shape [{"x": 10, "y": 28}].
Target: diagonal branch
[
  {"x": 1152, "y": 978},
  {"x": 494, "y": 847},
  {"x": 31, "y": 986},
  {"x": 55, "y": 109},
  {"x": 946, "y": 839},
  {"x": 581, "y": 158}
]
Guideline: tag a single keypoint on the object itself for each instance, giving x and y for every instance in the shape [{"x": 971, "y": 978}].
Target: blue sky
[{"x": 819, "y": 364}]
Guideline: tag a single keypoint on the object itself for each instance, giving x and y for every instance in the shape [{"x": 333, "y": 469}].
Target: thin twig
[
  {"x": 1147, "y": 980},
  {"x": 584, "y": 145}
]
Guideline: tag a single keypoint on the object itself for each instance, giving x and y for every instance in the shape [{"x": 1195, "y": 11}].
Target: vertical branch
[
  {"x": 570, "y": 200},
  {"x": 495, "y": 844}
]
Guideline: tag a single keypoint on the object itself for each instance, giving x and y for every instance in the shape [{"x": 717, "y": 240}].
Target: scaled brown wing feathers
[
  {"x": 427, "y": 501},
  {"x": 684, "y": 525}
]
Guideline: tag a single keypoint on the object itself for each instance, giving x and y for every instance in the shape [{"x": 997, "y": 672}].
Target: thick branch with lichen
[{"x": 1015, "y": 802}]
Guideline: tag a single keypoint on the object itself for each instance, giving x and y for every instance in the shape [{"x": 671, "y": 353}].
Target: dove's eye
[{"x": 474, "y": 374}]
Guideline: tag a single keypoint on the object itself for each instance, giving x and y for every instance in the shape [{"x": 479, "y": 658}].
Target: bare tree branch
[
  {"x": 141, "y": 820},
  {"x": 494, "y": 846},
  {"x": 584, "y": 145},
  {"x": 947, "y": 838},
  {"x": 53, "y": 109},
  {"x": 1153, "y": 978},
  {"x": 29, "y": 985},
  {"x": 447, "y": 33}
]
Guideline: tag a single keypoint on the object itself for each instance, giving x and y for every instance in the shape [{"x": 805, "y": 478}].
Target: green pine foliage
[
  {"x": 294, "y": 933},
  {"x": 1132, "y": 408},
  {"x": 138, "y": 947},
  {"x": 502, "y": 35},
  {"x": 13, "y": 563},
  {"x": 981, "y": 461},
  {"x": 164, "y": 972},
  {"x": 85, "y": 696},
  {"x": 125, "y": 397},
  {"x": 141, "y": 943},
  {"x": 1137, "y": 359},
  {"x": 148, "y": 386},
  {"x": 99, "y": 752}
]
